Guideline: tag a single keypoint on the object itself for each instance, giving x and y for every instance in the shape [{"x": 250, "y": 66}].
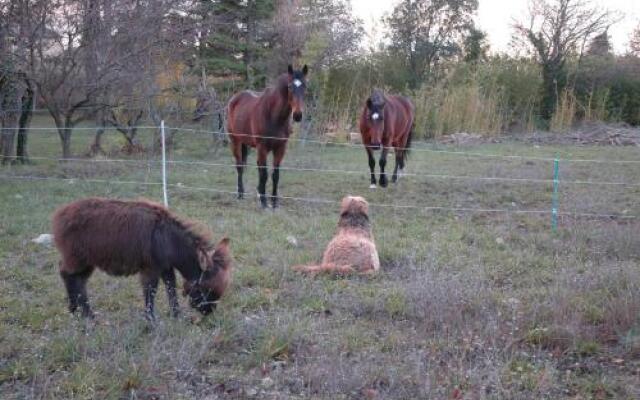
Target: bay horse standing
[
  {"x": 262, "y": 120},
  {"x": 387, "y": 121}
]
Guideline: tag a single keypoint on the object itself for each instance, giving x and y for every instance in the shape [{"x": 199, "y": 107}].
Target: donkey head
[
  {"x": 214, "y": 280},
  {"x": 297, "y": 87}
]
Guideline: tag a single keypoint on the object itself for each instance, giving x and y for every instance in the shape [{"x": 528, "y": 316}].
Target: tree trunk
[
  {"x": 25, "y": 121},
  {"x": 96, "y": 146},
  {"x": 554, "y": 80},
  {"x": 11, "y": 104},
  {"x": 66, "y": 144}
]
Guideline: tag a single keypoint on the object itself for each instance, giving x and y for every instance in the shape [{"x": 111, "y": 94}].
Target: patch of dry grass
[{"x": 484, "y": 306}]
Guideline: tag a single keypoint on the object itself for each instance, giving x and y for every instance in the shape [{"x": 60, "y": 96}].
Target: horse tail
[{"x": 407, "y": 147}]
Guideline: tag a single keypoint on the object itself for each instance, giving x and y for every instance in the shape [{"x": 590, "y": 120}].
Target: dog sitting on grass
[{"x": 352, "y": 249}]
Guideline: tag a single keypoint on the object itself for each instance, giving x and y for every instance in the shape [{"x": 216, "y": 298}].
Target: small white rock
[
  {"x": 292, "y": 241},
  {"x": 267, "y": 382},
  {"x": 44, "y": 239},
  {"x": 500, "y": 240}
]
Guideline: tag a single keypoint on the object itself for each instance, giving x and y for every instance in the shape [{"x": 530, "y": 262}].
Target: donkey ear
[
  {"x": 305, "y": 70},
  {"x": 223, "y": 244},
  {"x": 290, "y": 69},
  {"x": 203, "y": 260},
  {"x": 369, "y": 103},
  {"x": 186, "y": 289}
]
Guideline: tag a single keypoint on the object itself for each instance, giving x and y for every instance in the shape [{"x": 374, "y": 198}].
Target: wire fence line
[
  {"x": 554, "y": 212},
  {"x": 340, "y": 171},
  {"x": 359, "y": 145},
  {"x": 180, "y": 186}
]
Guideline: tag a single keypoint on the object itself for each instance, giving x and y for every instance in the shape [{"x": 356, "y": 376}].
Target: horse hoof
[{"x": 373, "y": 186}]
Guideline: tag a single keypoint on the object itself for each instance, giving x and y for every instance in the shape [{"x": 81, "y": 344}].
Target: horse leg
[
  {"x": 278, "y": 155},
  {"x": 76, "y": 285},
  {"x": 169, "y": 279},
  {"x": 149, "y": 282},
  {"x": 399, "y": 164},
  {"x": 239, "y": 155},
  {"x": 263, "y": 175},
  {"x": 383, "y": 163},
  {"x": 372, "y": 168}
]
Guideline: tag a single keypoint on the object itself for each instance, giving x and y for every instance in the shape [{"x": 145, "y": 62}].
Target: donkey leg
[
  {"x": 169, "y": 279},
  {"x": 263, "y": 175},
  {"x": 278, "y": 155},
  {"x": 372, "y": 168},
  {"x": 383, "y": 163},
  {"x": 149, "y": 282},
  {"x": 76, "y": 285}
]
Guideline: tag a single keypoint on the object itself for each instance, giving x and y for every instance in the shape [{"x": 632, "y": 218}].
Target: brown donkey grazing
[
  {"x": 352, "y": 249},
  {"x": 128, "y": 237},
  {"x": 386, "y": 122},
  {"x": 261, "y": 120}
]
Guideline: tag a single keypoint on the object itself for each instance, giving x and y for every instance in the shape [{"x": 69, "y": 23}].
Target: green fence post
[{"x": 554, "y": 200}]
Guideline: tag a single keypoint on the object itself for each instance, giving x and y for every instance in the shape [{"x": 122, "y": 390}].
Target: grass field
[{"x": 469, "y": 305}]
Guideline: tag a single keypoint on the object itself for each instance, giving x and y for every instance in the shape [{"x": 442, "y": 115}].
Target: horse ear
[
  {"x": 290, "y": 69},
  {"x": 369, "y": 103},
  {"x": 305, "y": 70}
]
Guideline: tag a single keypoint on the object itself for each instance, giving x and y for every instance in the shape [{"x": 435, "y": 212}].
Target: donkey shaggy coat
[
  {"x": 352, "y": 249},
  {"x": 138, "y": 237}
]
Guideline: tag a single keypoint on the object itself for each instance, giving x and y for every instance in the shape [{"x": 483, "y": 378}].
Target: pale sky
[{"x": 496, "y": 17}]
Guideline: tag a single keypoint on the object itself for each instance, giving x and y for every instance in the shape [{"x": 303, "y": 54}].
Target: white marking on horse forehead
[
  {"x": 297, "y": 82},
  {"x": 375, "y": 116}
]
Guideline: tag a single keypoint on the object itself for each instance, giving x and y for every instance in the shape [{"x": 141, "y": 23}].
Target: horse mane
[
  {"x": 194, "y": 231},
  {"x": 377, "y": 96}
]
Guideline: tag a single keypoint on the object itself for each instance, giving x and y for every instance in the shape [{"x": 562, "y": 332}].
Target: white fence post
[{"x": 164, "y": 165}]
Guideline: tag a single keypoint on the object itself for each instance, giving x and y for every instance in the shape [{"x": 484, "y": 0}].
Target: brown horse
[
  {"x": 386, "y": 122},
  {"x": 128, "y": 237},
  {"x": 262, "y": 120}
]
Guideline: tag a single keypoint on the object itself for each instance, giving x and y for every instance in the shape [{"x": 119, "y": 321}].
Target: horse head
[
  {"x": 297, "y": 87},
  {"x": 375, "y": 116}
]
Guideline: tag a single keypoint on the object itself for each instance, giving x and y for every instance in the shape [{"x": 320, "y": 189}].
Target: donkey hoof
[{"x": 373, "y": 186}]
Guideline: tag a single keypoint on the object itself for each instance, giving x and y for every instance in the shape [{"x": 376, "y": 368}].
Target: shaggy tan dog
[{"x": 352, "y": 249}]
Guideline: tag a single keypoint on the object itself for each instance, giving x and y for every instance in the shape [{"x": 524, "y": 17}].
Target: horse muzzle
[{"x": 297, "y": 116}]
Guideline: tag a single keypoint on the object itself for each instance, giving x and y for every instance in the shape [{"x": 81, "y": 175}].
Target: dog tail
[{"x": 324, "y": 268}]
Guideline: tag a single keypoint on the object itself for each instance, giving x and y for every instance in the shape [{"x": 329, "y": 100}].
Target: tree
[
  {"x": 634, "y": 43},
  {"x": 475, "y": 46},
  {"x": 424, "y": 31},
  {"x": 600, "y": 46},
  {"x": 234, "y": 36},
  {"x": 557, "y": 30},
  {"x": 13, "y": 86}
]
